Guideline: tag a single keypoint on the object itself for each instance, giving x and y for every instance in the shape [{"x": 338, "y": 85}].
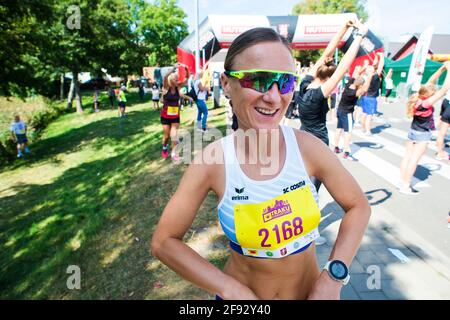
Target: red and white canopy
[{"x": 304, "y": 32}]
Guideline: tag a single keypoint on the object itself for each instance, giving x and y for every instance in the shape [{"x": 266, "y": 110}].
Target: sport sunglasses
[{"x": 262, "y": 80}]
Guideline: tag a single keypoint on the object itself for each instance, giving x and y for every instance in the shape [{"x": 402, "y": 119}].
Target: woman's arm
[
  {"x": 345, "y": 63},
  {"x": 168, "y": 246},
  {"x": 185, "y": 81},
  {"x": 380, "y": 63},
  {"x": 330, "y": 49},
  {"x": 436, "y": 75},
  {"x": 166, "y": 78},
  {"x": 362, "y": 91},
  {"x": 446, "y": 87},
  {"x": 322, "y": 163}
]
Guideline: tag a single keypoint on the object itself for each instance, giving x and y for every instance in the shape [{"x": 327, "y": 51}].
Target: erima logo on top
[
  {"x": 281, "y": 208},
  {"x": 239, "y": 191}
]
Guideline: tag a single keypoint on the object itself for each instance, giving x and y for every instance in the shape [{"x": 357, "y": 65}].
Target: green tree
[
  {"x": 331, "y": 6},
  {"x": 23, "y": 37},
  {"x": 326, "y": 7},
  {"x": 161, "y": 26}
]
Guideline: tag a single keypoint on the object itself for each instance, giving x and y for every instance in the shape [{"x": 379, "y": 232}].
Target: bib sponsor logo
[
  {"x": 283, "y": 251},
  {"x": 269, "y": 254},
  {"x": 253, "y": 252},
  {"x": 281, "y": 208},
  {"x": 296, "y": 186},
  {"x": 239, "y": 191},
  {"x": 296, "y": 245}
]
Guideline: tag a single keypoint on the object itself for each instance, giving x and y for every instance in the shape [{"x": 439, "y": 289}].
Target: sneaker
[
  {"x": 337, "y": 150},
  {"x": 165, "y": 153},
  {"x": 408, "y": 190},
  {"x": 349, "y": 157},
  {"x": 321, "y": 241},
  {"x": 19, "y": 155}
]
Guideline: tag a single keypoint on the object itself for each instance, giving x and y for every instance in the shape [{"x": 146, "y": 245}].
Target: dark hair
[
  {"x": 246, "y": 40},
  {"x": 326, "y": 70}
]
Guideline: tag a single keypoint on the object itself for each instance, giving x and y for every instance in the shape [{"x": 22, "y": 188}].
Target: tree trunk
[
  {"x": 76, "y": 90},
  {"x": 61, "y": 89},
  {"x": 71, "y": 94}
]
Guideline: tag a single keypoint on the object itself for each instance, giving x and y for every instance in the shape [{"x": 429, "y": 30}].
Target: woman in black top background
[
  {"x": 322, "y": 79},
  {"x": 355, "y": 88}
]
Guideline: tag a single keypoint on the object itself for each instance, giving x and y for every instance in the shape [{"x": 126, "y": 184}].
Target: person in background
[
  {"x": 19, "y": 136},
  {"x": 170, "y": 112},
  {"x": 420, "y": 108},
  {"x": 389, "y": 85},
  {"x": 141, "y": 91},
  {"x": 370, "y": 101},
  {"x": 96, "y": 99},
  {"x": 155, "y": 96},
  {"x": 354, "y": 89},
  {"x": 201, "y": 91},
  {"x": 122, "y": 98},
  {"x": 111, "y": 96},
  {"x": 443, "y": 125}
]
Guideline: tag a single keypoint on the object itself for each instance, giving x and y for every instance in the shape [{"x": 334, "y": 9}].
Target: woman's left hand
[{"x": 326, "y": 288}]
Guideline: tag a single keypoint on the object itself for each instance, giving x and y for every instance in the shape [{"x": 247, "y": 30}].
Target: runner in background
[
  {"x": 355, "y": 88},
  {"x": 322, "y": 79},
  {"x": 122, "y": 98},
  {"x": 370, "y": 101},
  {"x": 420, "y": 107},
  {"x": 389, "y": 84},
  {"x": 155, "y": 96},
  {"x": 19, "y": 136},
  {"x": 170, "y": 112},
  {"x": 443, "y": 125},
  {"x": 111, "y": 96}
]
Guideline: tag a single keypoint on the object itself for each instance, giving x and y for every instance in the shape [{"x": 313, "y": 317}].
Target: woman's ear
[{"x": 225, "y": 81}]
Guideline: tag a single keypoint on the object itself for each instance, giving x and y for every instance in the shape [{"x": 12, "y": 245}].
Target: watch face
[{"x": 338, "y": 269}]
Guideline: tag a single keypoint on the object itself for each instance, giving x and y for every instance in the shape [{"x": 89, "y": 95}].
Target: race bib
[
  {"x": 278, "y": 227},
  {"x": 173, "y": 110}
]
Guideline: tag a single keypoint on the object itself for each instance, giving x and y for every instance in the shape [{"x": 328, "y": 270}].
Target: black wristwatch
[{"x": 338, "y": 271}]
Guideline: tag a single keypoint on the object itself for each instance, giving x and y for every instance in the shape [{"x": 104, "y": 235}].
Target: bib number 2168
[{"x": 288, "y": 230}]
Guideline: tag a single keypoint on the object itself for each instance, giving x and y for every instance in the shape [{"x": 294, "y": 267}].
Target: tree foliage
[
  {"x": 162, "y": 28},
  {"x": 121, "y": 36}
]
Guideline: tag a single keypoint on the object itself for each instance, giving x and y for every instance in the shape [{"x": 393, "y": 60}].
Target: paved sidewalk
[{"x": 376, "y": 273}]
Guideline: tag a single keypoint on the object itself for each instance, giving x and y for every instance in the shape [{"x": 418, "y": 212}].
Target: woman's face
[{"x": 252, "y": 108}]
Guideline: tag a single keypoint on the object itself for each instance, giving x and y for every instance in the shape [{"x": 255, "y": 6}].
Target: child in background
[{"x": 19, "y": 135}]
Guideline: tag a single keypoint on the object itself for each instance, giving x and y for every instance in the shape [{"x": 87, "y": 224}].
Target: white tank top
[{"x": 283, "y": 224}]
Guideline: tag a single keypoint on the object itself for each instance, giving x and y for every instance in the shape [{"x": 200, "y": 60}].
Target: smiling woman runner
[{"x": 270, "y": 218}]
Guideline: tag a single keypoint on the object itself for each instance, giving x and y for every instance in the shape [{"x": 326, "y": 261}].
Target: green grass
[{"x": 91, "y": 195}]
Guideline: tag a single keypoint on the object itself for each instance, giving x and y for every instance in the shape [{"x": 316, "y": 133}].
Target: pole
[{"x": 197, "y": 40}]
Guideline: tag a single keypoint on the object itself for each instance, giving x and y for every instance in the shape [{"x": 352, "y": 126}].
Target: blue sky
[{"x": 389, "y": 19}]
